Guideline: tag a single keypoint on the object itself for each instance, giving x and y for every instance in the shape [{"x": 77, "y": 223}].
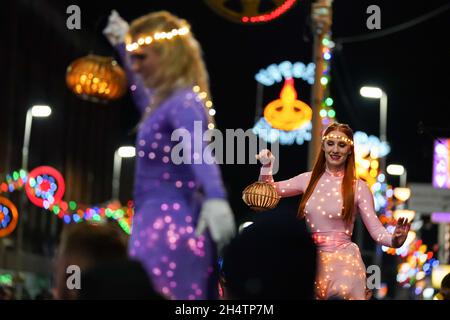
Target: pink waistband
[{"x": 331, "y": 240}]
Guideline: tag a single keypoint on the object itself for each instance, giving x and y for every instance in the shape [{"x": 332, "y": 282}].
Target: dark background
[{"x": 80, "y": 137}]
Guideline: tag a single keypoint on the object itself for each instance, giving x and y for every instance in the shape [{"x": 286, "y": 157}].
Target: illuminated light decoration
[
  {"x": 438, "y": 273},
  {"x": 441, "y": 163},
  {"x": 428, "y": 293},
  {"x": 145, "y": 40},
  {"x": 123, "y": 215},
  {"x": 6, "y": 279},
  {"x": 368, "y": 149},
  {"x": 395, "y": 169},
  {"x": 328, "y": 115},
  {"x": 440, "y": 217},
  {"x": 8, "y": 217},
  {"x": 288, "y": 113},
  {"x": 341, "y": 138},
  {"x": 264, "y": 130},
  {"x": 276, "y": 73},
  {"x": 14, "y": 181},
  {"x": 408, "y": 214},
  {"x": 418, "y": 264},
  {"x": 96, "y": 78},
  {"x": 287, "y": 119},
  {"x": 202, "y": 95},
  {"x": 382, "y": 291},
  {"x": 45, "y": 185},
  {"x": 249, "y": 12},
  {"x": 402, "y": 194}
]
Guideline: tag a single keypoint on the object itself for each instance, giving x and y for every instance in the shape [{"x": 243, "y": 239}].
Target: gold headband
[
  {"x": 146, "y": 40},
  {"x": 333, "y": 136}
]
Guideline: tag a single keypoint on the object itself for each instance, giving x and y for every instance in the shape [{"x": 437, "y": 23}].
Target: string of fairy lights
[
  {"x": 327, "y": 113},
  {"x": 45, "y": 186}
]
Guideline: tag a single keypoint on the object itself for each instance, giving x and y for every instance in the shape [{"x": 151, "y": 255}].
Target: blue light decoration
[
  {"x": 276, "y": 73},
  {"x": 286, "y": 72},
  {"x": 264, "y": 130},
  {"x": 368, "y": 150},
  {"x": 8, "y": 217},
  {"x": 370, "y": 145},
  {"x": 45, "y": 188}
]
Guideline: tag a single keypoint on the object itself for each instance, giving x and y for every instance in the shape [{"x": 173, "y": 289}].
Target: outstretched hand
[
  {"x": 265, "y": 157},
  {"x": 400, "y": 232}
]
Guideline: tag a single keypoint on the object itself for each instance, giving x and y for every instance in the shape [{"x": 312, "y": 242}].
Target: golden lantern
[
  {"x": 96, "y": 78},
  {"x": 260, "y": 196}
]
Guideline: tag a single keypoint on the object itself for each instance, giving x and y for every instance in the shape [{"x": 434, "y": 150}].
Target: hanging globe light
[{"x": 96, "y": 78}]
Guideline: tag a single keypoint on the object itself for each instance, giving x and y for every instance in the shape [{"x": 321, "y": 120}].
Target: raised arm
[
  {"x": 115, "y": 32},
  {"x": 285, "y": 188},
  {"x": 140, "y": 94},
  {"x": 367, "y": 210}
]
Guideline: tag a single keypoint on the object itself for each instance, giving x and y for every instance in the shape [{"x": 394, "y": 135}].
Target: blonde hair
[{"x": 180, "y": 58}]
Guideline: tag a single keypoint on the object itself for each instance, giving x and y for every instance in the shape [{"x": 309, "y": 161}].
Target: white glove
[
  {"x": 216, "y": 215},
  {"x": 116, "y": 29}
]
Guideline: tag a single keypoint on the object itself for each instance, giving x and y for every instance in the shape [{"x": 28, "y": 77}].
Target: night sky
[{"x": 411, "y": 66}]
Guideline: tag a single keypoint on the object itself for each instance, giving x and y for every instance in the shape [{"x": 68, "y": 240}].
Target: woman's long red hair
[{"x": 348, "y": 192}]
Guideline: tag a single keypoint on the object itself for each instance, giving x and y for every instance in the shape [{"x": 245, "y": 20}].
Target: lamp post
[
  {"x": 398, "y": 170},
  {"x": 37, "y": 111},
  {"x": 322, "y": 19},
  {"x": 122, "y": 152},
  {"x": 377, "y": 93}
]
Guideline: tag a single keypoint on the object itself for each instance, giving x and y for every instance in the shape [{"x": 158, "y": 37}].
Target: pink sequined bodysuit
[{"x": 341, "y": 272}]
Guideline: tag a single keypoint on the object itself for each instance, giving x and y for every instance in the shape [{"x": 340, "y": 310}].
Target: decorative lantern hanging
[
  {"x": 96, "y": 78},
  {"x": 8, "y": 217},
  {"x": 260, "y": 196}
]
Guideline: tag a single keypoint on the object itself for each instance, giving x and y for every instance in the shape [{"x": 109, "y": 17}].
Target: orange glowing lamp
[{"x": 288, "y": 113}]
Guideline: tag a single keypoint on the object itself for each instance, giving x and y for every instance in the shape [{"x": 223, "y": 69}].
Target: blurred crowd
[{"x": 274, "y": 258}]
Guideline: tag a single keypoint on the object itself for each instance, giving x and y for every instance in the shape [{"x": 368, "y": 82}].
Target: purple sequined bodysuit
[{"x": 168, "y": 196}]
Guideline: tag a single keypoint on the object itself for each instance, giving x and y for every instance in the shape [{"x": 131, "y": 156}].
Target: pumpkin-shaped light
[
  {"x": 96, "y": 78},
  {"x": 260, "y": 196}
]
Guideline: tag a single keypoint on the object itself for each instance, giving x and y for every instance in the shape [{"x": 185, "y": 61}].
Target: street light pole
[
  {"x": 321, "y": 16},
  {"x": 35, "y": 111},
  {"x": 122, "y": 152},
  {"x": 26, "y": 139},
  {"x": 383, "y": 117},
  {"x": 377, "y": 93},
  {"x": 403, "y": 179},
  {"x": 116, "y": 175}
]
